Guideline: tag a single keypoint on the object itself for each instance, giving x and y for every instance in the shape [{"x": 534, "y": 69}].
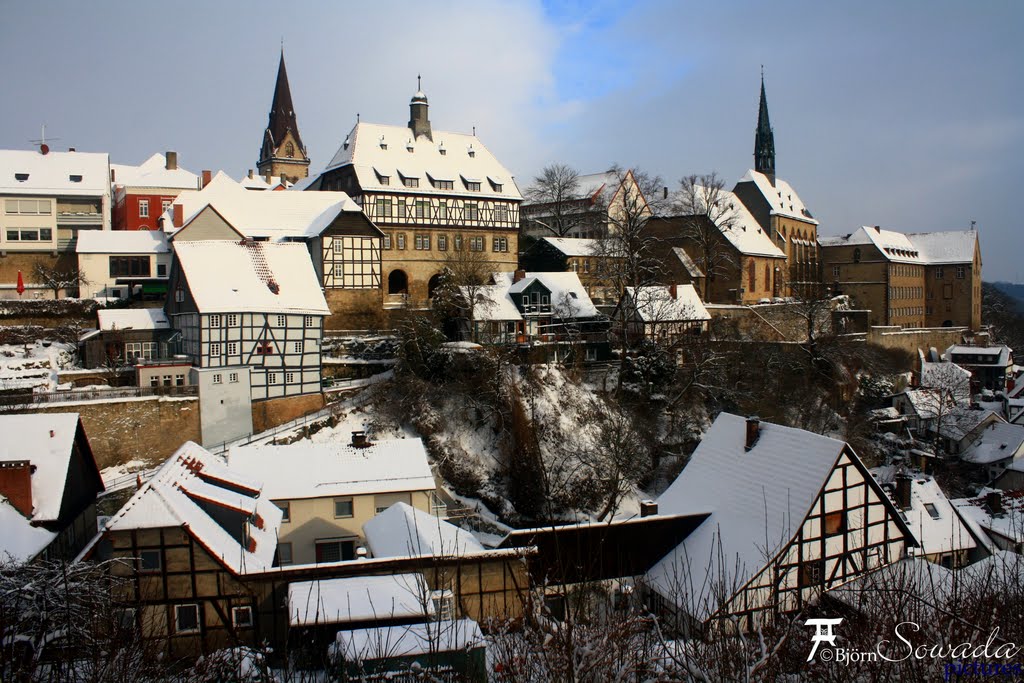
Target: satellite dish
[{"x": 44, "y": 148}]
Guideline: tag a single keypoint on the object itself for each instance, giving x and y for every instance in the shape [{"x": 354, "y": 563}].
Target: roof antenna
[
  {"x": 43, "y": 147},
  {"x": 474, "y": 131},
  {"x": 357, "y": 117},
  {"x": 974, "y": 225},
  {"x": 419, "y": 88}
]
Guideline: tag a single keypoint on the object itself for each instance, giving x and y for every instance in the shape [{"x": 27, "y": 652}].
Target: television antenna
[{"x": 43, "y": 147}]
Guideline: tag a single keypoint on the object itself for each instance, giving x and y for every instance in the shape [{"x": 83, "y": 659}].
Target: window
[
  {"x": 383, "y": 207},
  {"x": 128, "y": 266},
  {"x": 422, "y": 209},
  {"x": 28, "y": 207},
  {"x": 232, "y": 320},
  {"x": 939, "y": 274},
  {"x": 161, "y": 270},
  {"x": 271, "y": 378},
  {"x": 143, "y": 208},
  {"x": 835, "y": 271},
  {"x": 214, "y": 321},
  {"x": 384, "y": 179},
  {"x": 496, "y": 186},
  {"x": 751, "y": 276},
  {"x": 233, "y": 377},
  {"x": 297, "y": 347},
  {"x": 342, "y": 507},
  {"x": 215, "y": 349},
  {"x": 387, "y": 242},
  {"x": 835, "y": 523},
  {"x": 472, "y": 186},
  {"x": 186, "y": 618},
  {"x": 458, "y": 243},
  {"x": 444, "y": 184},
  {"x": 812, "y": 574},
  {"x": 179, "y": 380},
  {"x": 232, "y": 348},
  {"x": 164, "y": 205},
  {"x": 179, "y": 294},
  {"x": 961, "y": 272},
  {"x": 286, "y": 510},
  {"x": 289, "y": 378},
  {"x": 150, "y": 560},
  {"x": 422, "y": 242},
  {"x": 501, "y": 214},
  {"x": 21, "y": 177},
  {"x": 472, "y": 211},
  {"x": 335, "y": 551},
  {"x": 29, "y": 235},
  {"x": 75, "y": 178},
  {"x": 442, "y": 210},
  {"x": 308, "y": 321},
  {"x": 476, "y": 243},
  {"x": 856, "y": 255},
  {"x": 284, "y": 554},
  {"x": 932, "y": 510},
  {"x": 264, "y": 348},
  {"x": 401, "y": 240},
  {"x": 241, "y": 617},
  {"x": 289, "y": 150},
  {"x": 411, "y": 182},
  {"x": 443, "y": 603},
  {"x": 281, "y": 321},
  {"x": 442, "y": 242},
  {"x": 218, "y": 378},
  {"x": 499, "y": 244},
  {"x": 154, "y": 381}
]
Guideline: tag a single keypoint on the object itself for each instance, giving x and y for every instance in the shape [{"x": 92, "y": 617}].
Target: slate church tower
[{"x": 282, "y": 152}]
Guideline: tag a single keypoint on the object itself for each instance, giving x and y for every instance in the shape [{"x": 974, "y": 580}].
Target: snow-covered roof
[
  {"x": 656, "y": 303},
  {"x": 997, "y": 441},
  {"x": 259, "y": 182},
  {"x": 575, "y": 246},
  {"x": 593, "y": 183},
  {"x": 122, "y": 242},
  {"x": 781, "y": 196},
  {"x": 938, "y": 248},
  {"x": 959, "y": 422},
  {"x": 153, "y": 172},
  {"x": 569, "y": 297},
  {"x": 233, "y": 277},
  {"x": 1009, "y": 523},
  {"x": 132, "y": 319},
  {"x": 755, "y": 497},
  {"x": 994, "y": 355},
  {"x": 376, "y": 150},
  {"x": 493, "y": 302},
  {"x": 739, "y": 225},
  {"x": 272, "y": 215},
  {"x": 358, "y": 598},
  {"x": 931, "y": 517},
  {"x": 928, "y": 403},
  {"x": 895, "y": 246},
  {"x": 687, "y": 262},
  {"x": 46, "y": 440},
  {"x": 335, "y": 469},
  {"x": 20, "y": 541},
  {"x": 945, "y": 375},
  {"x": 387, "y": 642},
  {"x": 176, "y": 495},
  {"x": 56, "y": 173},
  {"x": 404, "y": 531}
]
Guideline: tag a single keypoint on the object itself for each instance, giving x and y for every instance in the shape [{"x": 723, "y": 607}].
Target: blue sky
[{"x": 909, "y": 115}]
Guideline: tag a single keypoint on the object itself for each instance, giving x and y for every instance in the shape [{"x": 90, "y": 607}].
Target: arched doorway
[
  {"x": 433, "y": 284},
  {"x": 398, "y": 282}
]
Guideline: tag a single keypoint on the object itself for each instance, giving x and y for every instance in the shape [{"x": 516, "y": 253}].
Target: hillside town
[{"x": 415, "y": 417}]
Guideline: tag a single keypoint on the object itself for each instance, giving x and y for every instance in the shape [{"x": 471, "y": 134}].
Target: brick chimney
[
  {"x": 16, "y": 485},
  {"x": 112, "y": 174},
  {"x": 250, "y": 174},
  {"x": 359, "y": 440},
  {"x": 179, "y": 215},
  {"x": 207, "y": 177},
  {"x": 753, "y": 432},
  {"x": 902, "y": 493},
  {"x": 518, "y": 275},
  {"x": 172, "y": 161},
  {"x": 994, "y": 502},
  {"x": 648, "y": 508},
  {"x": 673, "y": 292}
]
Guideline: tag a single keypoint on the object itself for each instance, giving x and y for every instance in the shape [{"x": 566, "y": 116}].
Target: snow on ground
[
  {"x": 33, "y": 366},
  {"x": 109, "y": 474}
]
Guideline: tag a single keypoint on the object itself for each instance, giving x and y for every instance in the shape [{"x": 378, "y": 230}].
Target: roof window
[
  {"x": 75, "y": 178},
  {"x": 383, "y": 145},
  {"x": 932, "y": 510},
  {"x": 21, "y": 177}
]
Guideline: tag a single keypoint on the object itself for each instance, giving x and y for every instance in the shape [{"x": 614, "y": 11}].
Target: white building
[{"x": 121, "y": 263}]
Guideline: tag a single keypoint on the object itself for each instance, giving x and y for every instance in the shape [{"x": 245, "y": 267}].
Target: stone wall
[
  {"x": 276, "y": 411},
  {"x": 148, "y": 429},
  {"x": 912, "y": 340}
]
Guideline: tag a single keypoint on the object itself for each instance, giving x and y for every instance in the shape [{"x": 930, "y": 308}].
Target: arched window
[
  {"x": 433, "y": 284},
  {"x": 398, "y": 282},
  {"x": 768, "y": 278},
  {"x": 751, "y": 276},
  {"x": 289, "y": 150}
]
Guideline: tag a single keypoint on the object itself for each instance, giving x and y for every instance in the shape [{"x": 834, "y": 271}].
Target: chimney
[
  {"x": 903, "y": 481},
  {"x": 753, "y": 431},
  {"x": 207, "y": 177},
  {"x": 172, "y": 161},
  {"x": 994, "y": 502},
  {"x": 179, "y": 215},
  {"x": 250, "y": 174},
  {"x": 665, "y": 193},
  {"x": 518, "y": 275},
  {"x": 111, "y": 175},
  {"x": 52, "y": 433},
  {"x": 672, "y": 292},
  {"x": 267, "y": 176},
  {"x": 71, "y": 149},
  {"x": 359, "y": 440},
  {"x": 648, "y": 508},
  {"x": 16, "y": 485},
  {"x": 878, "y": 229}
]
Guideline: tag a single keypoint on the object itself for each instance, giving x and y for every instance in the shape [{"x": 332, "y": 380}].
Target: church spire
[
  {"x": 282, "y": 152},
  {"x": 764, "y": 139}
]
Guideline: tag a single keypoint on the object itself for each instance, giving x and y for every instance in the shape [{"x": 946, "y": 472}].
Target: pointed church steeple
[
  {"x": 282, "y": 152},
  {"x": 764, "y": 139}
]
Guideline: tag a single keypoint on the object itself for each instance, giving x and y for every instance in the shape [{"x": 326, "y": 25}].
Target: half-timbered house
[
  {"x": 247, "y": 304},
  {"x": 433, "y": 193},
  {"x": 792, "y": 513}
]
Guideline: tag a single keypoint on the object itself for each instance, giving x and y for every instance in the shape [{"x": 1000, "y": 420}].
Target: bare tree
[
  {"x": 57, "y": 278},
  {"x": 708, "y": 211},
  {"x": 465, "y": 276},
  {"x": 554, "y": 202}
]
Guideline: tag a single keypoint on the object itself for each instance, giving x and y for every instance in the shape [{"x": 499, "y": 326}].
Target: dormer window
[
  {"x": 471, "y": 152},
  {"x": 408, "y": 147},
  {"x": 441, "y": 150},
  {"x": 383, "y": 145},
  {"x": 494, "y": 184},
  {"x": 411, "y": 182},
  {"x": 75, "y": 178},
  {"x": 21, "y": 177}
]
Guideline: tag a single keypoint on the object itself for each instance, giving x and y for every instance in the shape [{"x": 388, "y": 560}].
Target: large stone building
[
  {"x": 47, "y": 198},
  {"x": 282, "y": 152},
  {"x": 909, "y": 280},
  {"x": 439, "y": 197}
]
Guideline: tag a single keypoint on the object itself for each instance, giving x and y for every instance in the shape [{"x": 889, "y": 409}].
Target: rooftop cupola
[{"x": 419, "y": 124}]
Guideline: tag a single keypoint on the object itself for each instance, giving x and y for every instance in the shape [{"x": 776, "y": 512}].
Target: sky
[{"x": 908, "y": 115}]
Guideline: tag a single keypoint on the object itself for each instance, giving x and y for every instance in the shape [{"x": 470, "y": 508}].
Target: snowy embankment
[{"x": 33, "y": 366}]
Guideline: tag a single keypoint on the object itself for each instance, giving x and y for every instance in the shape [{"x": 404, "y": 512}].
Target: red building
[{"x": 143, "y": 193}]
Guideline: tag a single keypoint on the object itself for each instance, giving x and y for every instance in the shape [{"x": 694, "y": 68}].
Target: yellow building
[{"x": 328, "y": 491}]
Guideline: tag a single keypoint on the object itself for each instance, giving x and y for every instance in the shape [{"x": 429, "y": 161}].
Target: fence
[{"x": 16, "y": 401}]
